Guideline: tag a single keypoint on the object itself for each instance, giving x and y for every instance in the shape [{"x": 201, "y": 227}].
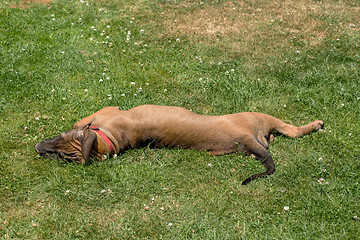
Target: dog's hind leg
[
  {"x": 293, "y": 131},
  {"x": 260, "y": 152}
]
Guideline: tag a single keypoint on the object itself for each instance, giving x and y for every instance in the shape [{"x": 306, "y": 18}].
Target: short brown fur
[{"x": 173, "y": 127}]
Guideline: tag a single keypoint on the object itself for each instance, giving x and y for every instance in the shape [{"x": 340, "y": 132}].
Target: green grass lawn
[{"x": 295, "y": 60}]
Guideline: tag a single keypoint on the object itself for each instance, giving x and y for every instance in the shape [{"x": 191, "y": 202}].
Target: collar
[{"x": 103, "y": 136}]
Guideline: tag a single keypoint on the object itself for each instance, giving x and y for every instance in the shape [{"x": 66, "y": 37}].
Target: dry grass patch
[
  {"x": 27, "y": 3},
  {"x": 262, "y": 27}
]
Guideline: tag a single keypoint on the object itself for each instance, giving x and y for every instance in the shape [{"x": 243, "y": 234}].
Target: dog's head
[{"x": 74, "y": 145}]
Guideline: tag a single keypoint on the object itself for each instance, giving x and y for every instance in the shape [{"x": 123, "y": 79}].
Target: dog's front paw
[{"x": 317, "y": 125}]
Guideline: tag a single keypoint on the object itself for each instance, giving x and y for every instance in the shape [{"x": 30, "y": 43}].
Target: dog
[{"x": 112, "y": 131}]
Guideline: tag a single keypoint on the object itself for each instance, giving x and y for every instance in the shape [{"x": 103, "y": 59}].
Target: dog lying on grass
[{"x": 113, "y": 131}]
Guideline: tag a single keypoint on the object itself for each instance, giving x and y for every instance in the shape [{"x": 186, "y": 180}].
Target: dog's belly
[
  {"x": 175, "y": 127},
  {"x": 199, "y": 133}
]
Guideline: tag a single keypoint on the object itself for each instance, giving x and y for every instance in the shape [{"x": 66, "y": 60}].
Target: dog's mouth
[
  {"x": 50, "y": 154},
  {"x": 60, "y": 156}
]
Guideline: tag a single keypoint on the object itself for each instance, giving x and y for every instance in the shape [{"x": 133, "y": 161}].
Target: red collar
[{"x": 103, "y": 136}]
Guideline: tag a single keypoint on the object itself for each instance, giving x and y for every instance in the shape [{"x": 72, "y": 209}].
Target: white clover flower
[
  {"x": 128, "y": 36},
  {"x": 100, "y": 80},
  {"x": 170, "y": 225},
  {"x": 123, "y": 94},
  {"x": 132, "y": 83},
  {"x": 322, "y": 181},
  {"x": 286, "y": 208}
]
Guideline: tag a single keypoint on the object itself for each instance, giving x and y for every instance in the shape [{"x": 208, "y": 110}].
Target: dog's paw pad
[{"x": 318, "y": 124}]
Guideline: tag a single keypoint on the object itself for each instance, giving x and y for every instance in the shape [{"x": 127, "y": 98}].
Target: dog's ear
[{"x": 87, "y": 138}]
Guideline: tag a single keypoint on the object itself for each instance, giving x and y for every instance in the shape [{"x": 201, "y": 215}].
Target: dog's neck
[{"x": 110, "y": 144}]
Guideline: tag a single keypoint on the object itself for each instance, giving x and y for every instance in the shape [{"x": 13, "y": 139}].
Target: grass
[{"x": 297, "y": 61}]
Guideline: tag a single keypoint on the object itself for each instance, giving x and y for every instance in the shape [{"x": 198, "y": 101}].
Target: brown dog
[{"x": 112, "y": 131}]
